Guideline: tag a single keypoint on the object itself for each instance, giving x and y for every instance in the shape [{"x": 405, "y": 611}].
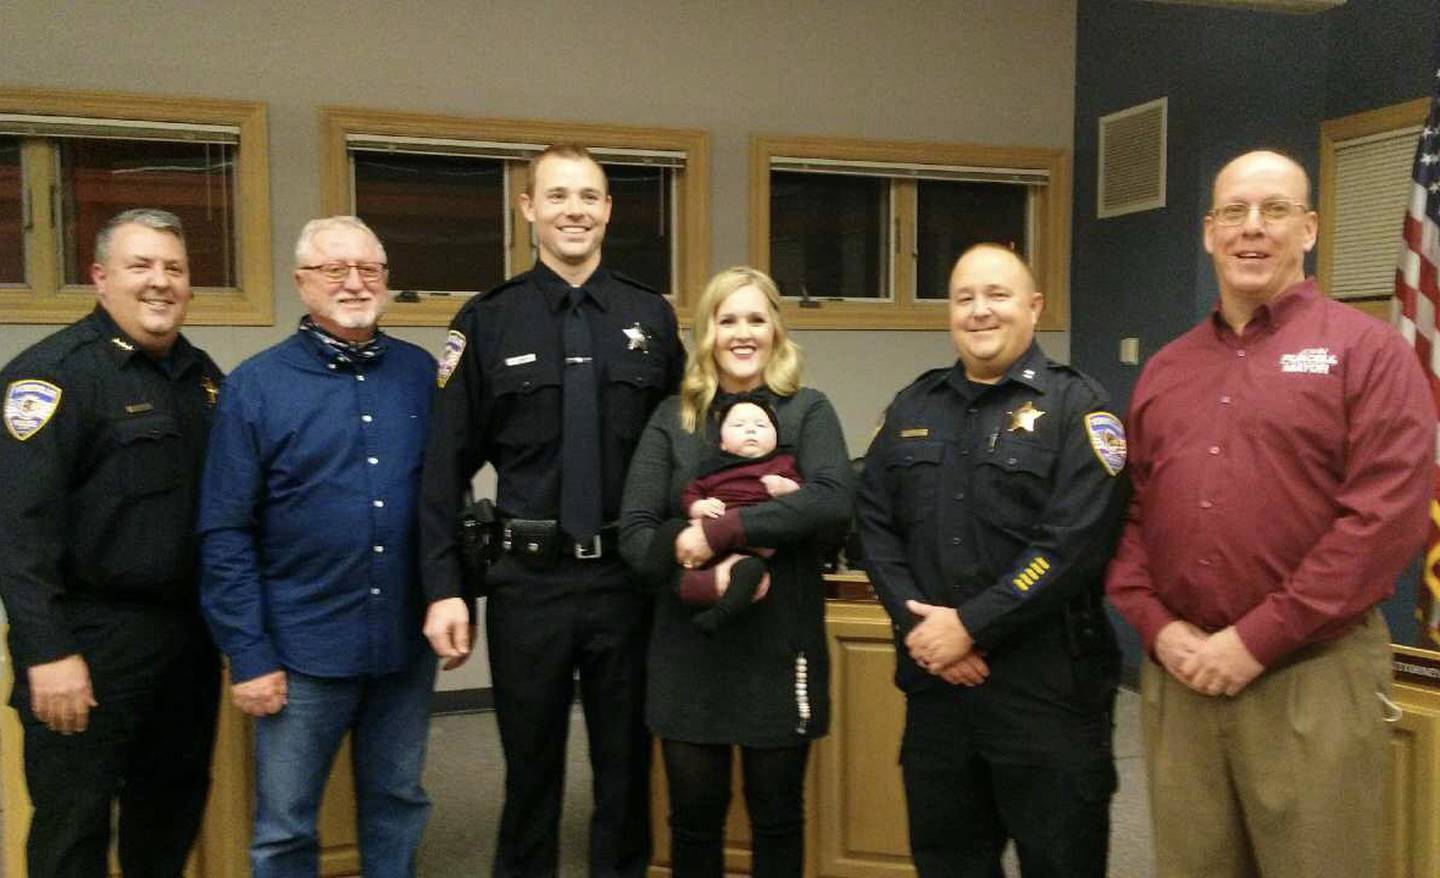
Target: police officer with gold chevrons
[
  {"x": 551, "y": 377},
  {"x": 116, "y": 679},
  {"x": 988, "y": 508}
]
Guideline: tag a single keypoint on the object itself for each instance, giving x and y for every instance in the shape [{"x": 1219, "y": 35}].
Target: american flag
[{"x": 1416, "y": 309}]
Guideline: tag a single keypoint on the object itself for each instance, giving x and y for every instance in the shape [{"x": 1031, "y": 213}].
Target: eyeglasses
[
  {"x": 1274, "y": 210},
  {"x": 336, "y": 272}
]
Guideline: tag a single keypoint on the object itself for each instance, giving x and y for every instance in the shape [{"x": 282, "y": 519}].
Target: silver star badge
[{"x": 636, "y": 339}]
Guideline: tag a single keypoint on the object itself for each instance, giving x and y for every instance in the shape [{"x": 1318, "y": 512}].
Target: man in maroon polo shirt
[{"x": 1280, "y": 454}]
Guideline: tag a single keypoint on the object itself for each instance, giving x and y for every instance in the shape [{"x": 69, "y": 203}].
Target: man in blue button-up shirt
[{"x": 311, "y": 585}]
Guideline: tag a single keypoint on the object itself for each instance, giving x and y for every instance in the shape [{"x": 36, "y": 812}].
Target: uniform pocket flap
[
  {"x": 525, "y": 379},
  {"x": 145, "y": 428},
  {"x": 912, "y": 453},
  {"x": 637, "y": 374},
  {"x": 1020, "y": 457}
]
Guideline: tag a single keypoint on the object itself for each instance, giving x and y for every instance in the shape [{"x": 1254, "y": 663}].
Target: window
[
  {"x": 69, "y": 161},
  {"x": 863, "y": 234},
  {"x": 442, "y": 193},
  {"x": 1365, "y": 181}
]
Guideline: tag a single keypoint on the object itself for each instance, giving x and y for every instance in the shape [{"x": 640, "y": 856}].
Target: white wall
[{"x": 960, "y": 70}]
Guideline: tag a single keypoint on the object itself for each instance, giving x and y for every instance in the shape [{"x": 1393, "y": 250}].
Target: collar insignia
[
  {"x": 636, "y": 339},
  {"x": 122, "y": 344},
  {"x": 1024, "y": 418},
  {"x": 29, "y": 405},
  {"x": 1028, "y": 374},
  {"x": 212, "y": 390}
]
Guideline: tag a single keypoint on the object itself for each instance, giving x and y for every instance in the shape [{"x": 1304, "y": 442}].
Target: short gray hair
[
  {"x": 149, "y": 217},
  {"x": 330, "y": 223}
]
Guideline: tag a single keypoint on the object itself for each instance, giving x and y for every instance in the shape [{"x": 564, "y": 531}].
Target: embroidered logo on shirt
[
  {"x": 454, "y": 347},
  {"x": 1107, "y": 440},
  {"x": 1024, "y": 418},
  {"x": 1031, "y": 574},
  {"x": 1311, "y": 361},
  {"x": 29, "y": 405}
]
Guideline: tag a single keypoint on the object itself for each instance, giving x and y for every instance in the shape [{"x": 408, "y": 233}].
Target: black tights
[{"x": 699, "y": 776}]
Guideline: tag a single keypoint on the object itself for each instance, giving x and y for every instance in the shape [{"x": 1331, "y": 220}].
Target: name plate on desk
[{"x": 1417, "y": 667}]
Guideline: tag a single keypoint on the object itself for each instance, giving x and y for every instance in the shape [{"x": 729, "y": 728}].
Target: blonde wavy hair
[{"x": 702, "y": 380}]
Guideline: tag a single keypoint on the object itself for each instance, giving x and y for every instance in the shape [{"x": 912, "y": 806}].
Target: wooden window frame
[
  {"x": 1335, "y": 131},
  {"x": 46, "y": 299},
  {"x": 692, "y": 230},
  {"x": 1050, "y": 222}
]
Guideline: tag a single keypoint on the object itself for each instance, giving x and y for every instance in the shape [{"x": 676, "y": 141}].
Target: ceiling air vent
[{"x": 1132, "y": 160}]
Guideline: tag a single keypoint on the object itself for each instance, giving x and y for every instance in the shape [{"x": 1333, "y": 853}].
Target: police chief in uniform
[
  {"x": 550, "y": 377},
  {"x": 116, "y": 680},
  {"x": 988, "y": 508}
]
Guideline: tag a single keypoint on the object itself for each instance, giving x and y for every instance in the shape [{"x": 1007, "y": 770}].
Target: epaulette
[
  {"x": 515, "y": 281},
  {"x": 927, "y": 379},
  {"x": 625, "y": 278},
  {"x": 53, "y": 349},
  {"x": 1095, "y": 386}
]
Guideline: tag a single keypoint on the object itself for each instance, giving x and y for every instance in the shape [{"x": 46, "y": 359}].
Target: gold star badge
[
  {"x": 1024, "y": 418},
  {"x": 212, "y": 392}
]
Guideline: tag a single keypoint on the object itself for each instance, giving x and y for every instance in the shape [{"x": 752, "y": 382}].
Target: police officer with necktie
[{"x": 550, "y": 377}]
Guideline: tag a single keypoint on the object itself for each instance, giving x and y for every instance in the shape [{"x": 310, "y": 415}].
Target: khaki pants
[{"x": 1288, "y": 778}]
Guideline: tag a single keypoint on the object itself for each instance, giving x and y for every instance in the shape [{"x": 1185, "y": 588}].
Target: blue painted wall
[{"x": 1236, "y": 80}]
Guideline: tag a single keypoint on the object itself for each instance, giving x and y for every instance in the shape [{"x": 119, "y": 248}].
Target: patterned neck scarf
[{"x": 342, "y": 351}]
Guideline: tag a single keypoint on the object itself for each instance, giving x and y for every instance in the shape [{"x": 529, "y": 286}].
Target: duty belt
[{"x": 542, "y": 539}]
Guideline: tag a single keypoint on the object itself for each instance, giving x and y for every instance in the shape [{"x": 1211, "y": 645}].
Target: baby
[{"x": 746, "y": 470}]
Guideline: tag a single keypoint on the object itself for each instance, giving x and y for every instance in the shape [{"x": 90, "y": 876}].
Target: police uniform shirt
[
  {"x": 1000, "y": 500},
  {"x": 500, "y": 400},
  {"x": 101, "y": 453}
]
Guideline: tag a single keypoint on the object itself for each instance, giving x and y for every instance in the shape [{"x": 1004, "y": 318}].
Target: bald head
[
  {"x": 1262, "y": 160},
  {"x": 994, "y": 307},
  {"x": 1259, "y": 244},
  {"x": 990, "y": 258}
]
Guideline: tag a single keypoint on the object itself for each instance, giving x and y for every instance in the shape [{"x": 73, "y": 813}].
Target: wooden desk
[
  {"x": 220, "y": 851},
  {"x": 855, "y": 803},
  {"x": 855, "y": 820}
]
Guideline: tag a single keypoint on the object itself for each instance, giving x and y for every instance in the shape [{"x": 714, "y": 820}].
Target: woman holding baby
[{"x": 733, "y": 485}]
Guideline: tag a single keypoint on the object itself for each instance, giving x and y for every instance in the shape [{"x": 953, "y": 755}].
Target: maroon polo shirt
[{"x": 1281, "y": 476}]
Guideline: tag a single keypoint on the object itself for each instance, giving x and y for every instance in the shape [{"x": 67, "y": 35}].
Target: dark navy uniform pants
[
  {"x": 1024, "y": 756},
  {"x": 543, "y": 626},
  {"x": 156, "y": 677}
]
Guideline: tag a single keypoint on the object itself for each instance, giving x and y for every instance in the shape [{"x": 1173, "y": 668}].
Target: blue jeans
[{"x": 389, "y": 718}]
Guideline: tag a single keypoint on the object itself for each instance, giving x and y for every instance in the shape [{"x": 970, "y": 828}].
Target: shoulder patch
[
  {"x": 29, "y": 405},
  {"x": 450, "y": 358},
  {"x": 1107, "y": 440}
]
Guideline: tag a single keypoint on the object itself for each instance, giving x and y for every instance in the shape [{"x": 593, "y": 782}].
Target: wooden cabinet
[
  {"x": 854, "y": 804},
  {"x": 1414, "y": 797},
  {"x": 220, "y": 851}
]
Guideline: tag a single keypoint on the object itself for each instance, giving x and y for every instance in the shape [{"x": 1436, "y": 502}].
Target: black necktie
[{"x": 580, "y": 457}]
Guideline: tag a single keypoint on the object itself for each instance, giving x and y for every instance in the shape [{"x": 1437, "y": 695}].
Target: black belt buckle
[{"x": 590, "y": 549}]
